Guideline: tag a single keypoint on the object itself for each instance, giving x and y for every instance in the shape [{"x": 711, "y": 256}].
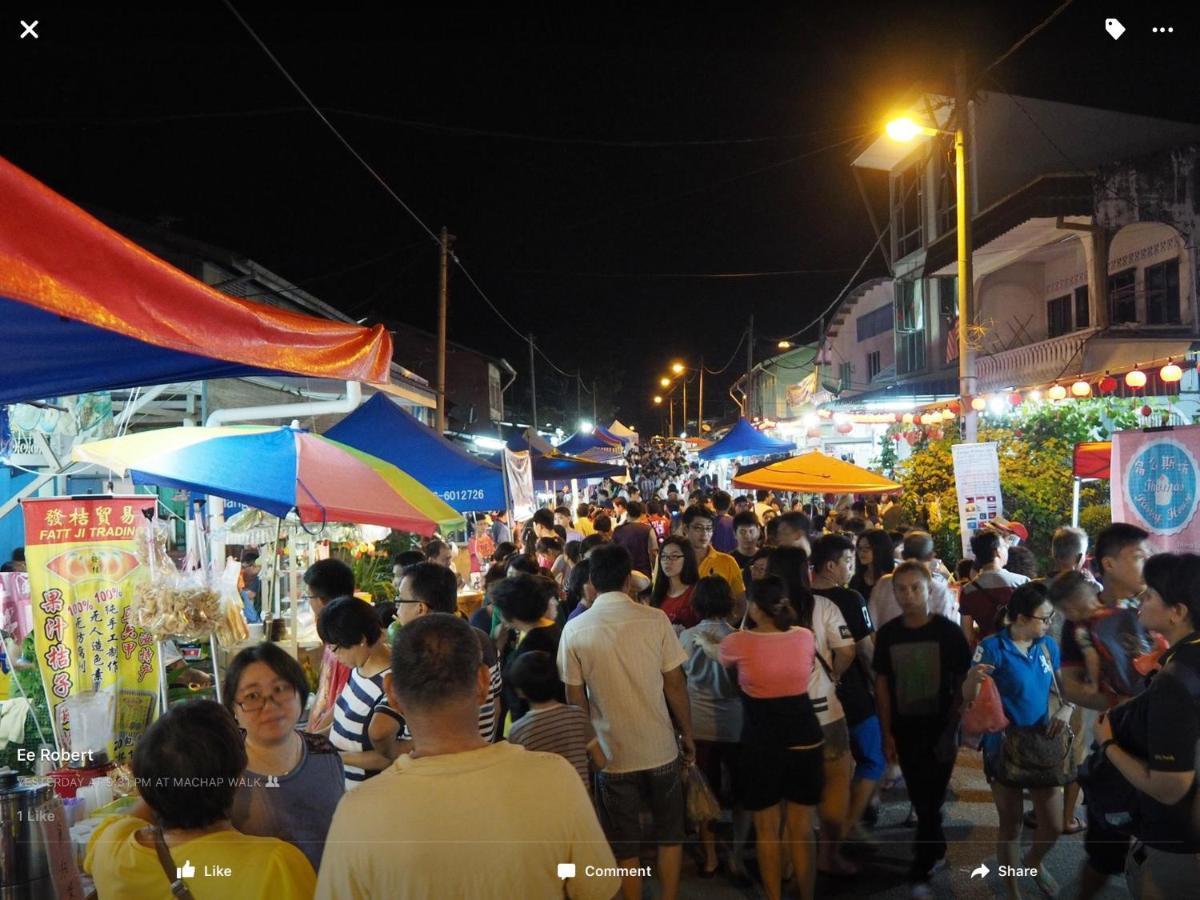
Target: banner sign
[
  {"x": 83, "y": 570},
  {"x": 977, "y": 481},
  {"x": 518, "y": 475},
  {"x": 1155, "y": 478},
  {"x": 63, "y": 421}
]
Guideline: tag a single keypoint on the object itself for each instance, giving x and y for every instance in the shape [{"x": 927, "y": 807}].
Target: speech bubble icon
[
  {"x": 566, "y": 870},
  {"x": 1114, "y": 28}
]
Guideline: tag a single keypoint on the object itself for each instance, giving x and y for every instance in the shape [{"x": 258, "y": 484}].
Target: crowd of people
[{"x": 795, "y": 659}]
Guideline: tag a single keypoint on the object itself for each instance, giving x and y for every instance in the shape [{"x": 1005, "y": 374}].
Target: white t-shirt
[
  {"x": 883, "y": 606},
  {"x": 831, "y": 632}
]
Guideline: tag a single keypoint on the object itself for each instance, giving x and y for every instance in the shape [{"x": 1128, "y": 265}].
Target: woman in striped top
[{"x": 351, "y": 629}]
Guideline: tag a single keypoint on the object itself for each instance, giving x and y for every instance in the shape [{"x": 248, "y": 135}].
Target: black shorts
[
  {"x": 717, "y": 759},
  {"x": 771, "y": 774},
  {"x": 622, "y": 796},
  {"x": 1105, "y": 847}
]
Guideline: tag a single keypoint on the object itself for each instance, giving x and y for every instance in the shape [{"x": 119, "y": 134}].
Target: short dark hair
[
  {"x": 761, "y": 495},
  {"x": 571, "y": 550},
  {"x": 620, "y": 501},
  {"x": 274, "y": 657},
  {"x": 522, "y": 597},
  {"x": 911, "y": 565},
  {"x": 503, "y": 551},
  {"x": 1115, "y": 538},
  {"x": 694, "y": 512},
  {"x": 744, "y": 518},
  {"x": 535, "y": 675},
  {"x": 611, "y": 567},
  {"x": 856, "y": 525},
  {"x": 1024, "y": 601},
  {"x": 249, "y": 557},
  {"x": 918, "y": 545},
  {"x": 434, "y": 547},
  {"x": 549, "y": 545},
  {"x": 433, "y": 585},
  {"x": 519, "y": 562},
  {"x": 543, "y": 517},
  {"x": 590, "y": 543},
  {"x": 602, "y": 524},
  {"x": 192, "y": 743},
  {"x": 347, "y": 622},
  {"x": 1021, "y": 561},
  {"x": 18, "y": 554},
  {"x": 562, "y": 511},
  {"x": 582, "y": 510},
  {"x": 577, "y": 580},
  {"x": 635, "y": 510},
  {"x": 1176, "y": 578},
  {"x": 985, "y": 545},
  {"x": 1067, "y": 584},
  {"x": 329, "y": 578},
  {"x": 712, "y": 597},
  {"x": 828, "y": 548},
  {"x": 406, "y": 558},
  {"x": 721, "y": 501},
  {"x": 434, "y": 659},
  {"x": 795, "y": 520}
]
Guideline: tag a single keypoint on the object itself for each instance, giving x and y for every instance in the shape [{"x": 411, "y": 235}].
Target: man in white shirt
[
  {"x": 883, "y": 607},
  {"x": 470, "y": 795},
  {"x": 623, "y": 665}
]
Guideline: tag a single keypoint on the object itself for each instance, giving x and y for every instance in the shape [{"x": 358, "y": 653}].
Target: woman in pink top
[{"x": 781, "y": 737}]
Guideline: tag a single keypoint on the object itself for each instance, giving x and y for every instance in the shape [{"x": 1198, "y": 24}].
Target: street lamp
[
  {"x": 664, "y": 381},
  {"x": 680, "y": 368},
  {"x": 905, "y": 129},
  {"x": 785, "y": 345},
  {"x": 677, "y": 368},
  {"x": 658, "y": 400}
]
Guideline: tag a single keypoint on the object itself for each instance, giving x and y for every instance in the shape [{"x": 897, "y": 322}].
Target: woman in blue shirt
[{"x": 1022, "y": 658}]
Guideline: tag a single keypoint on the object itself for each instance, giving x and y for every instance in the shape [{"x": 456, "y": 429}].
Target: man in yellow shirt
[
  {"x": 410, "y": 831},
  {"x": 582, "y": 523},
  {"x": 698, "y": 523}
]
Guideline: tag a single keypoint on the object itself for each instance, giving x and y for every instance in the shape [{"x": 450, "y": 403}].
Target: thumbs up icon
[{"x": 187, "y": 870}]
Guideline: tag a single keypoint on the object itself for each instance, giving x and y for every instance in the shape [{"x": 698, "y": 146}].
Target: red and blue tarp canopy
[
  {"x": 580, "y": 443},
  {"x": 85, "y": 309},
  {"x": 381, "y": 428},
  {"x": 745, "y": 440}
]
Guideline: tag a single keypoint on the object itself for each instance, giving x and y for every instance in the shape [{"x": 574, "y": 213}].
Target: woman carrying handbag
[{"x": 1034, "y": 752}]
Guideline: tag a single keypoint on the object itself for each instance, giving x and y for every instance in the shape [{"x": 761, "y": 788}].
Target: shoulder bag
[{"x": 1030, "y": 757}]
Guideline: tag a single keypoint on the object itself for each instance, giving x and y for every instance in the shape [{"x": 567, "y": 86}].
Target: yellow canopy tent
[{"x": 814, "y": 473}]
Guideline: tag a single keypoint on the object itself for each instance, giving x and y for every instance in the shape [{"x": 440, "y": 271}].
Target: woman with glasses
[
  {"x": 1023, "y": 660},
  {"x": 675, "y": 576},
  {"x": 293, "y": 780}
]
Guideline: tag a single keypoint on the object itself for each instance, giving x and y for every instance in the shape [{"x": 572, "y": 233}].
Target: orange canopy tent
[
  {"x": 1093, "y": 459},
  {"x": 814, "y": 473}
]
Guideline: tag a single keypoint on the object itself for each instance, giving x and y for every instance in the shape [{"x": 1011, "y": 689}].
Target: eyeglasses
[
  {"x": 1045, "y": 620},
  {"x": 281, "y": 694}
]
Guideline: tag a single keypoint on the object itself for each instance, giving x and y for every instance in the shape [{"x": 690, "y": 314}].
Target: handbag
[{"x": 1030, "y": 757}]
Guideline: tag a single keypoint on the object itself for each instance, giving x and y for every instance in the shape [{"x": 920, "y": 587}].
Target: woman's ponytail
[{"x": 770, "y": 595}]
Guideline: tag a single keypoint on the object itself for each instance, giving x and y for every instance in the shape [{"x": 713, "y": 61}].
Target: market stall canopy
[
  {"x": 813, "y": 473},
  {"x": 1093, "y": 459},
  {"x": 744, "y": 439},
  {"x": 696, "y": 443},
  {"x": 555, "y": 466},
  {"x": 86, "y": 309},
  {"x": 622, "y": 432},
  {"x": 277, "y": 470},
  {"x": 580, "y": 443},
  {"x": 383, "y": 429}
]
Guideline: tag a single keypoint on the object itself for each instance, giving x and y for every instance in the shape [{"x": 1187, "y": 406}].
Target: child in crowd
[{"x": 550, "y": 725}]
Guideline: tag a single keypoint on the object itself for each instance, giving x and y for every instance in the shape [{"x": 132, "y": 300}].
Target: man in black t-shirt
[
  {"x": 833, "y": 564},
  {"x": 920, "y": 663}
]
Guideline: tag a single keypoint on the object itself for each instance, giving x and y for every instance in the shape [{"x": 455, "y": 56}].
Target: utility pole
[
  {"x": 685, "y": 401},
  {"x": 579, "y": 398},
  {"x": 967, "y": 385},
  {"x": 533, "y": 385},
  {"x": 443, "y": 301},
  {"x": 749, "y": 364},
  {"x": 595, "y": 415},
  {"x": 700, "y": 403}
]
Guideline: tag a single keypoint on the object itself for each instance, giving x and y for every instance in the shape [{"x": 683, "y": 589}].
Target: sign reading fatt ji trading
[{"x": 82, "y": 575}]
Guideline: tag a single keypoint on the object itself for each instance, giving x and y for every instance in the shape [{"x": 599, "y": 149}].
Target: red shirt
[{"x": 679, "y": 609}]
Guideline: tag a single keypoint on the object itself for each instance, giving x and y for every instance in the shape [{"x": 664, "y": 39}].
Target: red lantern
[
  {"x": 1146, "y": 411},
  {"x": 845, "y": 428},
  {"x": 814, "y": 432},
  {"x": 955, "y": 407},
  {"x": 1107, "y": 384},
  {"x": 1015, "y": 398}
]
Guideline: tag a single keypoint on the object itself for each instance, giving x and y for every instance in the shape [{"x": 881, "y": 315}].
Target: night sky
[{"x": 631, "y": 163}]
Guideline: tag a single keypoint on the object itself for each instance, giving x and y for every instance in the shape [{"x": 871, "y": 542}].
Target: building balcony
[{"x": 1037, "y": 363}]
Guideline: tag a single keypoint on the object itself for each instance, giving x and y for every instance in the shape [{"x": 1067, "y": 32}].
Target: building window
[
  {"x": 910, "y": 327},
  {"x": 947, "y": 199},
  {"x": 906, "y": 210},
  {"x": 947, "y": 291},
  {"x": 845, "y": 371},
  {"x": 872, "y": 365},
  {"x": 876, "y": 322},
  {"x": 1122, "y": 298},
  {"x": 1162, "y": 293},
  {"x": 1082, "y": 314},
  {"x": 1058, "y": 316}
]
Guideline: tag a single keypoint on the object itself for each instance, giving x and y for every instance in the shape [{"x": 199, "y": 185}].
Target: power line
[
  {"x": 732, "y": 356},
  {"x": 1026, "y": 37},
  {"x": 714, "y": 275}
]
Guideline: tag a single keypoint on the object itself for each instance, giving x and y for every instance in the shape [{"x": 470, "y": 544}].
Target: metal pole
[
  {"x": 578, "y": 397},
  {"x": 967, "y": 386},
  {"x": 671, "y": 420},
  {"x": 595, "y": 415},
  {"x": 700, "y": 403},
  {"x": 749, "y": 366},
  {"x": 1075, "y": 503},
  {"x": 685, "y": 428},
  {"x": 533, "y": 385},
  {"x": 443, "y": 300}
]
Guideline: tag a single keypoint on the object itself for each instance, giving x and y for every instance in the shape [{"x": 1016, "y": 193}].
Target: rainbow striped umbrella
[{"x": 277, "y": 470}]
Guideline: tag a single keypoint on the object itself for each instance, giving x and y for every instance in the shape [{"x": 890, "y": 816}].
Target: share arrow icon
[{"x": 982, "y": 871}]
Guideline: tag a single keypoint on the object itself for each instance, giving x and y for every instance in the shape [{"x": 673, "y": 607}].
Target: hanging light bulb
[
  {"x": 908, "y": 418},
  {"x": 978, "y": 404},
  {"x": 1058, "y": 392},
  {"x": 1136, "y": 379},
  {"x": 1107, "y": 384},
  {"x": 1081, "y": 389},
  {"x": 998, "y": 405},
  {"x": 947, "y": 415},
  {"x": 1170, "y": 372},
  {"x": 1035, "y": 396}
]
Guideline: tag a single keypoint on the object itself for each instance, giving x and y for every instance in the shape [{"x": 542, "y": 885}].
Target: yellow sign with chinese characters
[{"x": 82, "y": 575}]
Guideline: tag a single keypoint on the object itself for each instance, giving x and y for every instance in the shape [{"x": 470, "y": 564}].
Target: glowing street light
[
  {"x": 586, "y": 427},
  {"x": 677, "y": 368},
  {"x": 657, "y": 400},
  {"x": 785, "y": 345},
  {"x": 905, "y": 129},
  {"x": 664, "y": 381}
]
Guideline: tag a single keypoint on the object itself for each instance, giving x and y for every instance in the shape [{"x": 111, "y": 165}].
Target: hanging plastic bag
[
  {"x": 985, "y": 715},
  {"x": 231, "y": 628},
  {"x": 702, "y": 803},
  {"x": 170, "y": 602}
]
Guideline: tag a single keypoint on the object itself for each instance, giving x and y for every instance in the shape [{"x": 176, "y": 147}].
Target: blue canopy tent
[
  {"x": 380, "y": 427},
  {"x": 580, "y": 443},
  {"x": 744, "y": 440},
  {"x": 557, "y": 466}
]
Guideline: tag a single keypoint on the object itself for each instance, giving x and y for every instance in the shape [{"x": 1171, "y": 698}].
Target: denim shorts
[
  {"x": 622, "y": 796},
  {"x": 866, "y": 743}
]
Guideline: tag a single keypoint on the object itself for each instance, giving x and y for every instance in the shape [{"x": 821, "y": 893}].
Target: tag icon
[
  {"x": 1114, "y": 28},
  {"x": 187, "y": 870}
]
